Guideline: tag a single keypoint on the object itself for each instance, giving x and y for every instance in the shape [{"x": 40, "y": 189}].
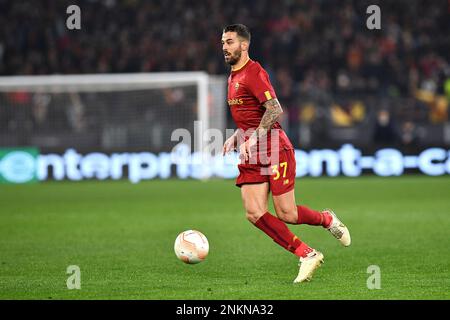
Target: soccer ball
[{"x": 191, "y": 246}]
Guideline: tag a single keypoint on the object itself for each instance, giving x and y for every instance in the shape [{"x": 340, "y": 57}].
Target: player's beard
[{"x": 233, "y": 58}]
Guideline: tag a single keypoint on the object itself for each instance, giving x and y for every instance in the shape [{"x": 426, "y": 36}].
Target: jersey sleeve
[{"x": 260, "y": 86}]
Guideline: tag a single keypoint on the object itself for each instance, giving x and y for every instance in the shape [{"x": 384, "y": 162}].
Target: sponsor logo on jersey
[{"x": 232, "y": 102}]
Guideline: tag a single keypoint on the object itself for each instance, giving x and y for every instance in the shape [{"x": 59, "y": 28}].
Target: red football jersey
[{"x": 248, "y": 89}]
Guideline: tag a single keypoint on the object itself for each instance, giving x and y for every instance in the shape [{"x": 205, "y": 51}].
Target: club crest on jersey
[{"x": 236, "y": 86}]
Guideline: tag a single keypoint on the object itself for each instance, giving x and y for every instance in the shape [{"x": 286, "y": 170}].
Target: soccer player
[{"x": 267, "y": 156}]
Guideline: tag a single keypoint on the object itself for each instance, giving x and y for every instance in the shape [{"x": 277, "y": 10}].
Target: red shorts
[{"x": 280, "y": 176}]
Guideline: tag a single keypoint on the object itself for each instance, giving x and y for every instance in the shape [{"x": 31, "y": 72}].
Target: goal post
[{"x": 108, "y": 111}]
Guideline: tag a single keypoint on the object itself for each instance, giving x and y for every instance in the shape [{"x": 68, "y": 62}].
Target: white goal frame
[{"x": 115, "y": 82}]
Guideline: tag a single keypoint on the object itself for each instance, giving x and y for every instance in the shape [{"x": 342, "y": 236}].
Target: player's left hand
[{"x": 245, "y": 149}]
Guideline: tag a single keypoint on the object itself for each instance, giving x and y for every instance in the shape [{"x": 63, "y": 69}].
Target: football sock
[
  {"x": 302, "y": 250},
  {"x": 280, "y": 233},
  {"x": 312, "y": 217}
]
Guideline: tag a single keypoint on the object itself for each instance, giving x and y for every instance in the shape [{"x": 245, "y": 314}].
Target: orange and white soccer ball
[{"x": 191, "y": 246}]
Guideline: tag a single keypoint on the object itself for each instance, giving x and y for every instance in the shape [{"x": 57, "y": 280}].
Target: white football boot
[
  {"x": 308, "y": 265},
  {"x": 338, "y": 229}
]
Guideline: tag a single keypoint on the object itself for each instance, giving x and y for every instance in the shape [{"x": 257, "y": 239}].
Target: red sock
[
  {"x": 303, "y": 250},
  {"x": 312, "y": 217},
  {"x": 280, "y": 233}
]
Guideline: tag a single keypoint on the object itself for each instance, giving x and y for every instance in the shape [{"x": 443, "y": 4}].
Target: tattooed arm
[{"x": 273, "y": 111}]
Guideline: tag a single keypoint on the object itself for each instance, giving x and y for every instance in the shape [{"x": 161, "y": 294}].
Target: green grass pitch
[{"x": 121, "y": 236}]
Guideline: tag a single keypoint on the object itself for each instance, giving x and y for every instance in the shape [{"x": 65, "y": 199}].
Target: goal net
[{"x": 110, "y": 112}]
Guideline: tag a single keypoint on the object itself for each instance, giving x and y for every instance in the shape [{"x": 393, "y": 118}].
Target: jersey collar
[{"x": 242, "y": 67}]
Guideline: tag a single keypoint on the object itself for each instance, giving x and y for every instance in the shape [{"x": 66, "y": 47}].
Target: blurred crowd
[{"x": 319, "y": 54}]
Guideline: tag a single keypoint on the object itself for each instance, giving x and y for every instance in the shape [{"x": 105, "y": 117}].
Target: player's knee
[
  {"x": 287, "y": 215},
  {"x": 253, "y": 215}
]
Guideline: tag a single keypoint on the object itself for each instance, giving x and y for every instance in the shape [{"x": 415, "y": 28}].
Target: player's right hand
[{"x": 229, "y": 145}]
